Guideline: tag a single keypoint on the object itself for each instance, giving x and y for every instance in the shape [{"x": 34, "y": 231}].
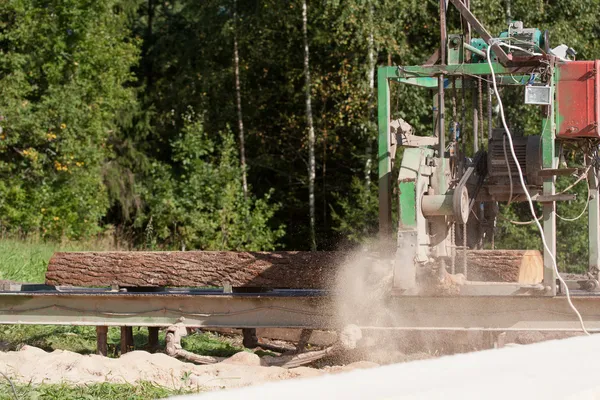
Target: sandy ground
[
  {"x": 557, "y": 369},
  {"x": 31, "y": 364}
]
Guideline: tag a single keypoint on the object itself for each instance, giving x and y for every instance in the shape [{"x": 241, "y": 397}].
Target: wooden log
[
  {"x": 280, "y": 269},
  {"x": 296, "y": 270},
  {"x": 522, "y": 266}
]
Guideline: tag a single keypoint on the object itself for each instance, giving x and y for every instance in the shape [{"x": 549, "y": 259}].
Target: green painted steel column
[
  {"x": 384, "y": 156},
  {"x": 549, "y": 209},
  {"x": 408, "y": 204}
]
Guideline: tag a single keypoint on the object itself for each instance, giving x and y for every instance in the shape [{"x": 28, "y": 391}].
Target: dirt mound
[{"x": 31, "y": 364}]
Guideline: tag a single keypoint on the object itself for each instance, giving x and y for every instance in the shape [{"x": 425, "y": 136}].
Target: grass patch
[
  {"x": 209, "y": 344},
  {"x": 82, "y": 339},
  {"x": 27, "y": 260},
  {"x": 100, "y": 391},
  {"x": 23, "y": 261}
]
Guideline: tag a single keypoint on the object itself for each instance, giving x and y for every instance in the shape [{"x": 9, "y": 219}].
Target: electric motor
[{"x": 527, "y": 150}]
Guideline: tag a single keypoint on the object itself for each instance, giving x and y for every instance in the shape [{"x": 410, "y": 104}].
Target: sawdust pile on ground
[{"x": 34, "y": 365}]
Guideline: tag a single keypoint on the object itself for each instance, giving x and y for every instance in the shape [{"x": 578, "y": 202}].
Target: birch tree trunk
[
  {"x": 238, "y": 98},
  {"x": 371, "y": 78},
  {"x": 311, "y": 130}
]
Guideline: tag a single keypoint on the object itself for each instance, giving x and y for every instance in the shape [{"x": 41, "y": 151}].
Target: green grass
[
  {"x": 23, "y": 261},
  {"x": 26, "y": 261},
  {"x": 82, "y": 339},
  {"x": 99, "y": 391}
]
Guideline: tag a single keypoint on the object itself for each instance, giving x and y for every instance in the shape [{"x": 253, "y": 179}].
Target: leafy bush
[{"x": 199, "y": 202}]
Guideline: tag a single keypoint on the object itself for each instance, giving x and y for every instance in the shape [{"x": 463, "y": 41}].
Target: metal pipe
[
  {"x": 466, "y": 24},
  {"x": 443, "y": 32},
  {"x": 475, "y": 122},
  {"x": 593, "y": 221},
  {"x": 437, "y": 205},
  {"x": 489, "y": 111},
  {"x": 475, "y": 50},
  {"x": 441, "y": 117},
  {"x": 441, "y": 126}
]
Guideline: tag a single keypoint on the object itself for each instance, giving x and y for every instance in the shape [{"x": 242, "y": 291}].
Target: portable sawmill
[
  {"x": 444, "y": 194},
  {"x": 448, "y": 200}
]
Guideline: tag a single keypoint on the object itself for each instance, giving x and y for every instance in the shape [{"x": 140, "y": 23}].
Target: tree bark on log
[{"x": 280, "y": 269}]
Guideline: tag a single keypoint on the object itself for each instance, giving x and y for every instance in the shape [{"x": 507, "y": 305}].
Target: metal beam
[
  {"x": 414, "y": 71},
  {"x": 200, "y": 309},
  {"x": 433, "y": 58},
  {"x": 298, "y": 309},
  {"x": 457, "y": 83},
  {"x": 474, "y": 22}
]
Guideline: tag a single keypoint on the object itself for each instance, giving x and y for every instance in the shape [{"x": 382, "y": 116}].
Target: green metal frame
[{"x": 427, "y": 77}]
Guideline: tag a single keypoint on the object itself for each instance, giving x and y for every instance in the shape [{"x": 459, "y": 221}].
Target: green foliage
[
  {"x": 97, "y": 391},
  {"x": 198, "y": 202},
  {"x": 63, "y": 72},
  {"x": 117, "y": 114},
  {"x": 358, "y": 218}
]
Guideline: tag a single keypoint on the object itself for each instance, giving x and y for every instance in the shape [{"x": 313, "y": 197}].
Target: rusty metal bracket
[{"x": 434, "y": 58}]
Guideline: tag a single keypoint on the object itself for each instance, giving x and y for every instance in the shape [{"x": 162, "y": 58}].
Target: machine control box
[{"x": 578, "y": 99}]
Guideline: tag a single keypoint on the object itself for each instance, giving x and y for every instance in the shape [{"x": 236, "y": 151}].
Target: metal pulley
[
  {"x": 454, "y": 205},
  {"x": 460, "y": 204}
]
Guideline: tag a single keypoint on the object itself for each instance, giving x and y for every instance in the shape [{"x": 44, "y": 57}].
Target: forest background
[{"x": 228, "y": 124}]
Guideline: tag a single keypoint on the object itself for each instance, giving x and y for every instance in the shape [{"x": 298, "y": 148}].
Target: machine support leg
[
  {"x": 250, "y": 340},
  {"x": 101, "y": 340},
  {"x": 304, "y": 338},
  {"x": 594, "y": 223},
  {"x": 550, "y": 236},
  {"x": 126, "y": 339},
  {"x": 152, "y": 338}
]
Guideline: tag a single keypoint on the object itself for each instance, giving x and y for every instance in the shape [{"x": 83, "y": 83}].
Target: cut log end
[{"x": 521, "y": 266}]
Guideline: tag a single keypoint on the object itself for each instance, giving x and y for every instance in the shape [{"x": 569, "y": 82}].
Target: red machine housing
[{"x": 578, "y": 99}]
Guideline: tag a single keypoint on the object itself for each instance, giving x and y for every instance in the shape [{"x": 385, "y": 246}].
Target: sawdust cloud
[
  {"x": 362, "y": 300},
  {"x": 363, "y": 303},
  {"x": 361, "y": 289}
]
